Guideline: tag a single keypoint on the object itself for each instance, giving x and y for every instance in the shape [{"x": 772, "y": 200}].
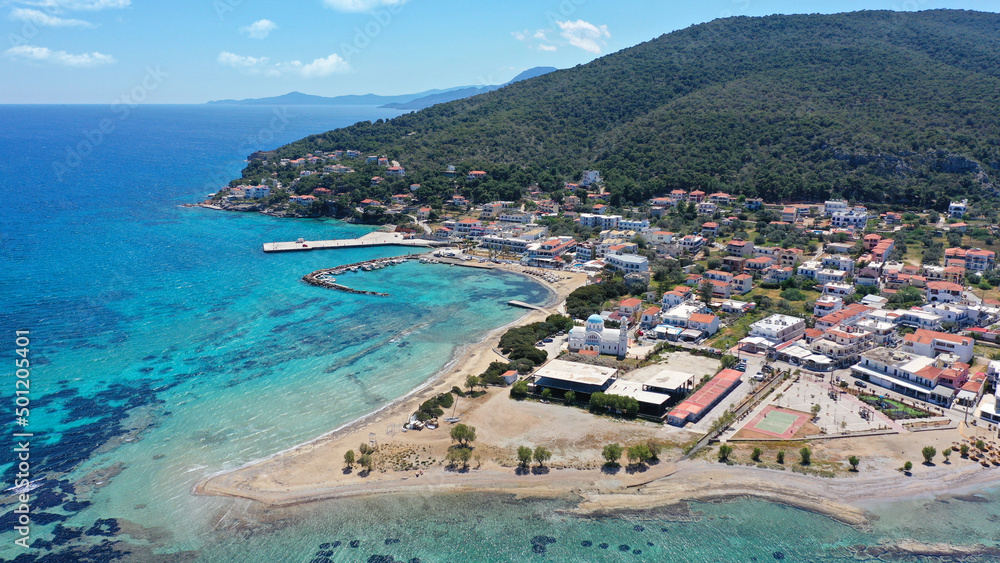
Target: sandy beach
[{"x": 412, "y": 462}]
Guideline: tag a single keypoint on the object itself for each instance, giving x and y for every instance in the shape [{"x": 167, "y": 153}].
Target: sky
[{"x": 193, "y": 51}]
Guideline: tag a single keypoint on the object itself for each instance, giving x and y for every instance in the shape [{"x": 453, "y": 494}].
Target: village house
[
  {"x": 737, "y": 247},
  {"x": 778, "y": 328}
]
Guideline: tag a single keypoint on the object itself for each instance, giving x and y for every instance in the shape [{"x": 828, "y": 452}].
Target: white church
[{"x": 595, "y": 337}]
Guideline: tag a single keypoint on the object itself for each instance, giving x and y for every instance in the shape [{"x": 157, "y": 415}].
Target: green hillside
[{"x": 872, "y": 106}]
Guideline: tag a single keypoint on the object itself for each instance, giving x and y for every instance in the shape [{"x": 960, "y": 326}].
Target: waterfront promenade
[{"x": 378, "y": 238}]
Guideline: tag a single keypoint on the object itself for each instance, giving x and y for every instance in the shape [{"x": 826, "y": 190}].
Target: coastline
[
  {"x": 313, "y": 471},
  {"x": 469, "y": 358}
]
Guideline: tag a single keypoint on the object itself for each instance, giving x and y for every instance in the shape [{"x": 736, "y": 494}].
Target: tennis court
[{"x": 780, "y": 423}]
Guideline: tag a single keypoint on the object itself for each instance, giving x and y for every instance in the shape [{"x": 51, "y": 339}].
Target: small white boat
[
  {"x": 25, "y": 487},
  {"x": 453, "y": 419}
]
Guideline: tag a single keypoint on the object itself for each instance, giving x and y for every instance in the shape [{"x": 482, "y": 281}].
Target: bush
[
  {"x": 546, "y": 394},
  {"x": 614, "y": 403},
  {"x": 756, "y": 454},
  {"x": 806, "y": 455},
  {"x": 780, "y": 457},
  {"x": 519, "y": 390},
  {"x": 793, "y": 294},
  {"x": 724, "y": 451},
  {"x": 569, "y": 398},
  {"x": 928, "y": 452}
]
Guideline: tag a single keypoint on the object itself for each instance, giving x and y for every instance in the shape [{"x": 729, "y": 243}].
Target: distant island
[{"x": 414, "y": 101}]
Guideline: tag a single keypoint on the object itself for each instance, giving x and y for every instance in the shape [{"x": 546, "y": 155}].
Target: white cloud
[
  {"x": 361, "y": 5},
  {"x": 540, "y": 34},
  {"x": 44, "y": 54},
  {"x": 325, "y": 67},
  {"x": 544, "y": 47},
  {"x": 584, "y": 35},
  {"x": 39, "y": 17},
  {"x": 318, "y": 68},
  {"x": 259, "y": 29},
  {"x": 520, "y": 35},
  {"x": 92, "y": 5},
  {"x": 238, "y": 61}
]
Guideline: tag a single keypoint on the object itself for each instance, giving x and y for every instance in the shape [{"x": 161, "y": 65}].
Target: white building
[
  {"x": 595, "y": 337},
  {"x": 590, "y": 177},
  {"x": 958, "y": 209},
  {"x": 931, "y": 343},
  {"x": 600, "y": 222},
  {"x": 634, "y": 224},
  {"x": 856, "y": 218},
  {"x": 833, "y": 206},
  {"x": 628, "y": 263},
  {"x": 778, "y": 328}
]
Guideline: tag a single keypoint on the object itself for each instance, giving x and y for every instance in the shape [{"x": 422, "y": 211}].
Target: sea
[{"x": 165, "y": 346}]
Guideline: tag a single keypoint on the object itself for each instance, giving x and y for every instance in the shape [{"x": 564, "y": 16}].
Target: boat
[
  {"x": 453, "y": 419},
  {"x": 25, "y": 487}
]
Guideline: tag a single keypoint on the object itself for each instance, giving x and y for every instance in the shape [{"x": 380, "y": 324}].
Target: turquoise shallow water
[{"x": 167, "y": 346}]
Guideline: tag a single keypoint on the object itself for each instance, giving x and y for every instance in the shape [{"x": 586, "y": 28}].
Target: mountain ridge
[{"x": 872, "y": 105}]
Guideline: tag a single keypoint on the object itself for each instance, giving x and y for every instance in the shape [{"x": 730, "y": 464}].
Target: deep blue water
[{"x": 166, "y": 346}]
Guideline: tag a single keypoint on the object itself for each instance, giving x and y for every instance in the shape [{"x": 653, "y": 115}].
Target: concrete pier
[{"x": 378, "y": 238}]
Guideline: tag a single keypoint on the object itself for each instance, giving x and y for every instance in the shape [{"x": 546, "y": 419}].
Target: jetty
[
  {"x": 524, "y": 305},
  {"x": 377, "y": 238},
  {"x": 324, "y": 277}
]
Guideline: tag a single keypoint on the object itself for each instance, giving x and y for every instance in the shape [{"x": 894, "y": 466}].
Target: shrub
[
  {"x": 780, "y": 457},
  {"x": 724, "y": 451},
  {"x": 928, "y": 452},
  {"x": 756, "y": 454},
  {"x": 612, "y": 453},
  {"x": 569, "y": 397},
  {"x": 519, "y": 390},
  {"x": 806, "y": 455}
]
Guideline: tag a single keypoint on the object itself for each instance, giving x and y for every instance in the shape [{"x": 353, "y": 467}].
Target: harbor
[
  {"x": 378, "y": 238},
  {"x": 325, "y": 277}
]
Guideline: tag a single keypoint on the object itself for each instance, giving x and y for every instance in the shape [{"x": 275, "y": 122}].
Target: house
[
  {"x": 733, "y": 263},
  {"x": 753, "y": 204},
  {"x": 370, "y": 203},
  {"x": 958, "y": 209},
  {"x": 601, "y": 222},
  {"x": 856, "y": 219},
  {"x": 834, "y": 288},
  {"x": 871, "y": 240},
  {"x": 709, "y": 229},
  {"x": 943, "y": 292},
  {"x": 466, "y": 226},
  {"x": 660, "y": 237},
  {"x": 458, "y": 201},
  {"x": 423, "y": 213},
  {"x": 776, "y": 274},
  {"x": 834, "y": 206},
  {"x": 676, "y": 296},
  {"x": 401, "y": 199},
  {"x": 707, "y": 208},
  {"x": 678, "y": 195},
  {"x": 302, "y": 199},
  {"x": 395, "y": 171},
  {"x": 259, "y": 191},
  {"x": 476, "y": 175},
  {"x": 979, "y": 260},
  {"x": 590, "y": 177},
  {"x": 790, "y": 214},
  {"x": 809, "y": 269},
  {"x": 696, "y": 196},
  {"x": 705, "y": 322},
  {"x": 742, "y": 283},
  {"x": 827, "y": 304},
  {"x": 778, "y": 328},
  {"x": 600, "y": 209},
  {"x": 958, "y": 227},
  {"x": 931, "y": 343},
  {"x": 919, "y": 319},
  {"x": 738, "y": 247},
  {"x": 628, "y": 263},
  {"x": 756, "y": 266},
  {"x": 720, "y": 198},
  {"x": 845, "y": 263},
  {"x": 846, "y": 317},
  {"x": 548, "y": 206},
  {"x": 376, "y": 180},
  {"x": 827, "y": 275},
  {"x": 650, "y": 317},
  {"x": 691, "y": 244}
]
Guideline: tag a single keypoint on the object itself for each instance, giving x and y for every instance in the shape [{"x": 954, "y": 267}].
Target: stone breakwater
[{"x": 324, "y": 277}]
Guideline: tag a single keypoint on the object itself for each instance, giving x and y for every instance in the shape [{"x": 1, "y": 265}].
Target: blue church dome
[{"x": 595, "y": 318}]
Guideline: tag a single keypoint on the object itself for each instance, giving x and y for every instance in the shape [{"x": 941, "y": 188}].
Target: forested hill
[{"x": 897, "y": 106}]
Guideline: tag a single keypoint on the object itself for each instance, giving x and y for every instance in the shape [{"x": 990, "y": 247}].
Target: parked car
[{"x": 861, "y": 384}]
